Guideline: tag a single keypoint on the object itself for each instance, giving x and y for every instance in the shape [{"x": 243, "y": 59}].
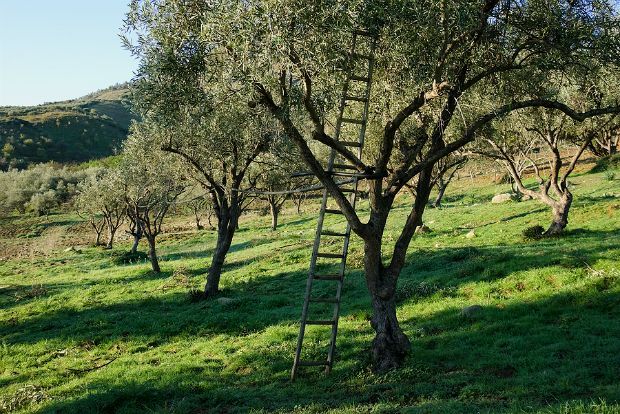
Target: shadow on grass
[
  {"x": 428, "y": 272},
  {"x": 539, "y": 354},
  {"x": 166, "y": 315}
]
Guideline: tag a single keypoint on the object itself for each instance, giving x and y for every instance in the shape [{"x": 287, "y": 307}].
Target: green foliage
[{"x": 40, "y": 188}]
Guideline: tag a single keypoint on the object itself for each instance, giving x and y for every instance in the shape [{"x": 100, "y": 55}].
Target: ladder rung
[
  {"x": 333, "y": 211},
  {"x": 324, "y": 300},
  {"x": 355, "y": 98},
  {"x": 323, "y": 322},
  {"x": 361, "y": 56},
  {"x": 312, "y": 363},
  {"x": 360, "y": 78},
  {"x": 332, "y": 233},
  {"x": 348, "y": 190},
  {"x": 344, "y": 167},
  {"x": 353, "y": 121},
  {"x": 330, "y": 255},
  {"x": 350, "y": 143},
  {"x": 327, "y": 277}
]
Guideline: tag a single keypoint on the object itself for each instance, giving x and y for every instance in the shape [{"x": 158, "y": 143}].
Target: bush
[
  {"x": 610, "y": 175},
  {"x": 130, "y": 258},
  {"x": 534, "y": 232},
  {"x": 607, "y": 163}
]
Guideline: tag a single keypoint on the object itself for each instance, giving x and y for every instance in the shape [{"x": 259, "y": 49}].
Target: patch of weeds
[
  {"x": 607, "y": 163},
  {"x": 23, "y": 397},
  {"x": 610, "y": 175},
  {"x": 464, "y": 254},
  {"x": 180, "y": 279},
  {"x": 126, "y": 258},
  {"x": 422, "y": 290},
  {"x": 533, "y": 233},
  {"x": 34, "y": 292},
  {"x": 196, "y": 295}
]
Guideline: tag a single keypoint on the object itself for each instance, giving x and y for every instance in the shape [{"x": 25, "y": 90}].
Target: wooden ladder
[{"x": 352, "y": 119}]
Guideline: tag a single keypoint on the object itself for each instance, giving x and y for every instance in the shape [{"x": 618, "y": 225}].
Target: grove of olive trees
[{"x": 445, "y": 72}]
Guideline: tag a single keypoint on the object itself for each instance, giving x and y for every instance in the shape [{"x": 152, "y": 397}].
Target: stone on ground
[{"x": 501, "y": 198}]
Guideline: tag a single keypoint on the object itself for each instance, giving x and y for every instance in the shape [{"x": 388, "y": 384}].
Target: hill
[
  {"x": 77, "y": 130},
  {"x": 82, "y": 334}
]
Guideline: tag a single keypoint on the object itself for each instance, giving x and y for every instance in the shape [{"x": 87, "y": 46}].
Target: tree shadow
[
  {"x": 251, "y": 306},
  {"x": 539, "y": 354}
]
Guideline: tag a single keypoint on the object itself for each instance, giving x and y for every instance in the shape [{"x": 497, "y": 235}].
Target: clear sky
[{"x": 52, "y": 50}]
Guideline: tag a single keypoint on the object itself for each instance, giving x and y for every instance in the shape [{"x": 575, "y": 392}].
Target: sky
[{"x": 53, "y": 50}]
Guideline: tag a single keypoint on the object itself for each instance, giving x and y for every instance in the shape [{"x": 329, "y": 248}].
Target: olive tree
[
  {"x": 151, "y": 182},
  {"x": 541, "y": 140},
  {"x": 101, "y": 200},
  {"x": 435, "y": 58},
  {"x": 216, "y": 135}
]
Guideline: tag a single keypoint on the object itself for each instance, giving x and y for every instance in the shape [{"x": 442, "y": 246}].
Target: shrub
[
  {"x": 534, "y": 232},
  {"x": 610, "y": 175}
]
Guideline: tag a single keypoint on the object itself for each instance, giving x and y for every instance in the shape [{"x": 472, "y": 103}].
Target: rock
[
  {"x": 423, "y": 230},
  {"x": 471, "y": 234},
  {"x": 471, "y": 311},
  {"x": 501, "y": 198},
  {"x": 72, "y": 249},
  {"x": 526, "y": 197},
  {"x": 225, "y": 301}
]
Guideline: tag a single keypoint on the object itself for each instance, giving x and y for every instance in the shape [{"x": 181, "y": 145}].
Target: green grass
[{"x": 547, "y": 338}]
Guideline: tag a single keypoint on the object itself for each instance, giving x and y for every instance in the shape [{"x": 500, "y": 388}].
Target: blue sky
[{"x": 52, "y": 50}]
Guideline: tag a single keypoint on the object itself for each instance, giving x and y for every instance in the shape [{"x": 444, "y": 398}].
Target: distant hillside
[{"x": 83, "y": 129}]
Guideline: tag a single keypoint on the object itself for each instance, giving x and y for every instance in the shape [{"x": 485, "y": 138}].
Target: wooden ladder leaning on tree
[{"x": 350, "y": 131}]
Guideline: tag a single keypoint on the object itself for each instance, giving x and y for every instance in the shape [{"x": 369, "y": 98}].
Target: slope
[{"x": 78, "y": 130}]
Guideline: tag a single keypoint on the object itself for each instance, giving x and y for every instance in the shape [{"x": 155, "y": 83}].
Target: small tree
[
  {"x": 275, "y": 183},
  {"x": 101, "y": 200},
  {"x": 151, "y": 183},
  {"x": 444, "y": 172},
  {"x": 542, "y": 138}
]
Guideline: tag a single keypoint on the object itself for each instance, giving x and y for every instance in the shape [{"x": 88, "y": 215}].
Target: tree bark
[
  {"x": 197, "y": 218},
  {"x": 226, "y": 227},
  {"x": 153, "y": 255},
  {"x": 275, "y": 211},
  {"x": 560, "y": 215},
  {"x": 442, "y": 191},
  {"x": 111, "y": 234},
  {"x": 390, "y": 345}
]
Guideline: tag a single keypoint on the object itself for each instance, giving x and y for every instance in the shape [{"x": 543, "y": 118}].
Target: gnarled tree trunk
[
  {"x": 390, "y": 345},
  {"x": 226, "y": 227},
  {"x": 137, "y": 235},
  {"x": 111, "y": 234},
  {"x": 153, "y": 255},
  {"x": 442, "y": 191},
  {"x": 561, "y": 209},
  {"x": 275, "y": 211}
]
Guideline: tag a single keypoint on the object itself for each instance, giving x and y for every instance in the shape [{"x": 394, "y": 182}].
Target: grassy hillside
[
  {"x": 81, "y": 334},
  {"x": 72, "y": 131}
]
